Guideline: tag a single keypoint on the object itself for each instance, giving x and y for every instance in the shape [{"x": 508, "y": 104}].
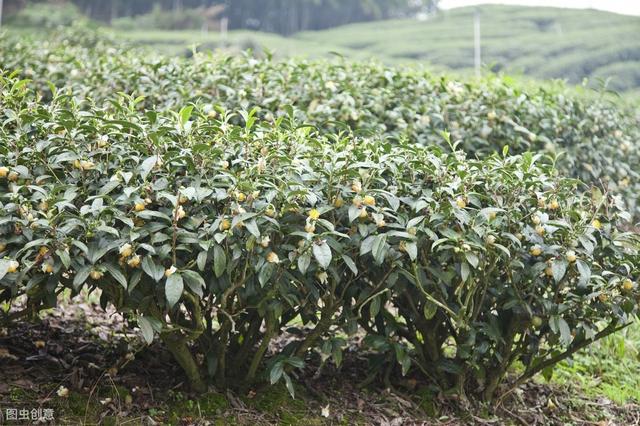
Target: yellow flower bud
[
  {"x": 461, "y": 203},
  {"x": 368, "y": 200},
  {"x": 542, "y": 203},
  {"x": 265, "y": 242},
  {"x": 627, "y": 285},
  {"x": 134, "y": 262},
  {"x": 4, "y": 172},
  {"x": 170, "y": 271},
  {"x": 87, "y": 165},
  {"x": 126, "y": 250},
  {"x": 314, "y": 214},
  {"x": 102, "y": 141},
  {"x": 13, "y": 267},
  {"x": 536, "y": 250},
  {"x": 180, "y": 213},
  {"x": 273, "y": 258},
  {"x": 96, "y": 275},
  {"x": 225, "y": 224}
]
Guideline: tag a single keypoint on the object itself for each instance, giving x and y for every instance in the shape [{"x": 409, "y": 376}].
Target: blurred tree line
[{"x": 280, "y": 16}]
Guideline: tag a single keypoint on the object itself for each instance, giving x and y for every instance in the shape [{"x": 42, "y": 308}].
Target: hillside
[{"x": 538, "y": 42}]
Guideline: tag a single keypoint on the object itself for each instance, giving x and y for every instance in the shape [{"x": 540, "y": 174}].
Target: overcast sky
[{"x": 628, "y": 7}]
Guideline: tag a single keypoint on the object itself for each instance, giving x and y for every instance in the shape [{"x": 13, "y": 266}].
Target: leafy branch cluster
[{"x": 219, "y": 228}]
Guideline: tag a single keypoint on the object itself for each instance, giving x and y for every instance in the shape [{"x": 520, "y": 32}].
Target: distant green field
[{"x": 538, "y": 42}]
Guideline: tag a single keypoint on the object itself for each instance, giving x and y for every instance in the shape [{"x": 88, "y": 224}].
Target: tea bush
[
  {"x": 592, "y": 139},
  {"x": 220, "y": 231}
]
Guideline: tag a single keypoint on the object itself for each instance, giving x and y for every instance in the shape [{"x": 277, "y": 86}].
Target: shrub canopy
[{"x": 219, "y": 228}]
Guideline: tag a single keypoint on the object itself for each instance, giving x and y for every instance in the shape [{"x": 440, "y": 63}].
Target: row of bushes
[
  {"x": 592, "y": 139},
  {"x": 221, "y": 232}
]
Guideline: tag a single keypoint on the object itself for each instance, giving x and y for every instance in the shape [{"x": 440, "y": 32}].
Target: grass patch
[{"x": 609, "y": 368}]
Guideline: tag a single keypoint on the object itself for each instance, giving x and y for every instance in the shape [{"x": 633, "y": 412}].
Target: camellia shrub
[
  {"x": 219, "y": 233},
  {"x": 589, "y": 138}
]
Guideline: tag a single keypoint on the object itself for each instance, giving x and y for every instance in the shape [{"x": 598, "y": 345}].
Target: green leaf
[
  {"x": 304, "y": 261},
  {"x": 289, "y": 384},
  {"x": 266, "y": 271},
  {"x": 219, "y": 260},
  {"x": 252, "y": 227},
  {"x": 194, "y": 281},
  {"x": 4, "y": 266},
  {"x": 412, "y": 250},
  {"x": 354, "y": 213},
  {"x": 147, "y": 165},
  {"x": 201, "y": 260},
  {"x": 150, "y": 214},
  {"x": 173, "y": 288},
  {"x": 379, "y": 248},
  {"x": 116, "y": 274},
  {"x": 64, "y": 258},
  {"x": 585, "y": 272},
  {"x": 276, "y": 372},
  {"x": 185, "y": 114},
  {"x": 565, "y": 331},
  {"x": 146, "y": 329},
  {"x": 322, "y": 253},
  {"x": 464, "y": 270},
  {"x": 350, "y": 264},
  {"x": 472, "y": 258},
  {"x": 152, "y": 269},
  {"x": 559, "y": 269},
  {"x": 429, "y": 309},
  {"x": 374, "y": 307},
  {"x": 81, "y": 276}
]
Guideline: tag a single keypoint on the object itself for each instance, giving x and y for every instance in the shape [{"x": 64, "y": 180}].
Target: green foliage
[
  {"x": 41, "y": 15},
  {"x": 592, "y": 139},
  {"x": 213, "y": 216},
  {"x": 164, "y": 20},
  {"x": 540, "y": 42}
]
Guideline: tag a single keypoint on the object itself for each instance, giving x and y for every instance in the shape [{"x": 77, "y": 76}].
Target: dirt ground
[{"x": 81, "y": 365}]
